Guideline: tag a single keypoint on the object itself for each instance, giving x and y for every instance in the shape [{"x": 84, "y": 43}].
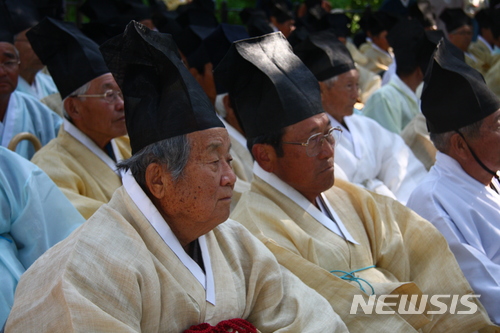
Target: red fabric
[{"x": 236, "y": 325}]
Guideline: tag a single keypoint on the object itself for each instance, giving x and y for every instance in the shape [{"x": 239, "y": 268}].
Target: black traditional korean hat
[
  {"x": 324, "y": 55},
  {"x": 6, "y": 34},
  {"x": 454, "y": 18},
  {"x": 270, "y": 88},
  {"x": 219, "y": 41},
  {"x": 72, "y": 58},
  {"x": 454, "y": 94},
  {"x": 162, "y": 99},
  {"x": 23, "y": 13}
]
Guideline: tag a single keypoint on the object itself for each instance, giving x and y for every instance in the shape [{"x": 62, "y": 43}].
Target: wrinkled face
[
  {"x": 487, "y": 145},
  {"x": 339, "y": 98},
  {"x": 98, "y": 119},
  {"x": 308, "y": 175},
  {"x": 200, "y": 199},
  {"x": 381, "y": 40},
  {"x": 9, "y": 70},
  {"x": 29, "y": 59},
  {"x": 461, "y": 37}
]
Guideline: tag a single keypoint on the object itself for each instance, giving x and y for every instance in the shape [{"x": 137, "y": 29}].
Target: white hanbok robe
[
  {"x": 34, "y": 215},
  {"x": 26, "y": 114},
  {"x": 393, "y": 106},
  {"x": 468, "y": 215},
  {"x": 377, "y": 159}
]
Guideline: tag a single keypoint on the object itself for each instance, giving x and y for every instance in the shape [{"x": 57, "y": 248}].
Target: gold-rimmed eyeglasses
[
  {"x": 315, "y": 142},
  {"x": 110, "y": 96}
]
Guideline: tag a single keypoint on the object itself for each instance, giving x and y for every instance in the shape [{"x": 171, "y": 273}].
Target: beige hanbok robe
[
  {"x": 492, "y": 78},
  {"x": 482, "y": 51},
  {"x": 409, "y": 254},
  {"x": 417, "y": 137},
  {"x": 81, "y": 175},
  {"x": 378, "y": 60},
  {"x": 117, "y": 274}
]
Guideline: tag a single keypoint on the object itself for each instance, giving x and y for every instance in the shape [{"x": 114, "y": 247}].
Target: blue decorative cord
[
  {"x": 351, "y": 276},
  {"x": 8, "y": 240}
]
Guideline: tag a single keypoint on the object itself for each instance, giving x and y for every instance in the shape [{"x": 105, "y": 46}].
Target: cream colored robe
[
  {"x": 417, "y": 137},
  {"x": 378, "y": 60},
  {"x": 482, "y": 51},
  {"x": 492, "y": 78},
  {"x": 410, "y": 255},
  {"x": 116, "y": 274},
  {"x": 80, "y": 174}
]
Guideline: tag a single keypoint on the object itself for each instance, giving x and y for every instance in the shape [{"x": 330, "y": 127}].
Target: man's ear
[
  {"x": 265, "y": 155},
  {"x": 155, "y": 179},
  {"x": 458, "y": 147},
  {"x": 71, "y": 107}
]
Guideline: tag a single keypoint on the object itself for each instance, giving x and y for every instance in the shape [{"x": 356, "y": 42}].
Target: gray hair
[
  {"x": 442, "y": 140},
  {"x": 172, "y": 153},
  {"x": 80, "y": 91},
  {"x": 331, "y": 81}
]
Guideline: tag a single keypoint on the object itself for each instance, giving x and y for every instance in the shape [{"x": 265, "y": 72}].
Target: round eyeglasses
[
  {"x": 110, "y": 96},
  {"x": 315, "y": 141}
]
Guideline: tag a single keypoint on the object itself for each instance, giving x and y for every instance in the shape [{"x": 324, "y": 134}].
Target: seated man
[
  {"x": 20, "y": 112},
  {"x": 460, "y": 195},
  {"x": 370, "y": 155},
  {"x": 82, "y": 159},
  {"x": 34, "y": 215},
  {"x": 459, "y": 32},
  {"x": 377, "y": 49},
  {"x": 345, "y": 242},
  {"x": 158, "y": 258},
  {"x": 395, "y": 104}
]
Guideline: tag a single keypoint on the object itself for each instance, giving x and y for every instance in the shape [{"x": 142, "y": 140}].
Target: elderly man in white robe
[
  {"x": 82, "y": 159},
  {"x": 158, "y": 258},
  {"x": 370, "y": 155},
  {"x": 344, "y": 241},
  {"x": 460, "y": 195}
]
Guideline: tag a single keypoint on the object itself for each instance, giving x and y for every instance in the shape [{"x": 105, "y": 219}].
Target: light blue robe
[
  {"x": 26, "y": 114},
  {"x": 43, "y": 86},
  {"x": 393, "y": 106},
  {"x": 34, "y": 215}
]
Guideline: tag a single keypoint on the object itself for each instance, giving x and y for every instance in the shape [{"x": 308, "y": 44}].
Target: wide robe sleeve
[{"x": 34, "y": 215}]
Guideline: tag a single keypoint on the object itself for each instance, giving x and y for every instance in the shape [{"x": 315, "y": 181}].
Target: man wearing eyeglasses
[
  {"x": 20, "y": 112},
  {"x": 342, "y": 240},
  {"x": 370, "y": 155},
  {"x": 460, "y": 195},
  {"x": 82, "y": 160}
]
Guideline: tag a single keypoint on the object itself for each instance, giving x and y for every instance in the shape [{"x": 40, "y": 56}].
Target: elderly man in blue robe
[
  {"x": 34, "y": 215},
  {"x": 20, "y": 112}
]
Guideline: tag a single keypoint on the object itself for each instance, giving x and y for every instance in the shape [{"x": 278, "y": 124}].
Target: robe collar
[
  {"x": 322, "y": 216},
  {"x": 9, "y": 121},
  {"x": 87, "y": 142},
  {"x": 348, "y": 135},
  {"x": 154, "y": 217},
  {"x": 233, "y": 133}
]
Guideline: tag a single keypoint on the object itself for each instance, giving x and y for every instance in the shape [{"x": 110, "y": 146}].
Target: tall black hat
[
  {"x": 6, "y": 34},
  {"x": 219, "y": 41},
  {"x": 454, "y": 95},
  {"x": 324, "y": 55},
  {"x": 23, "y": 13},
  {"x": 454, "y": 18},
  {"x": 270, "y": 88},
  {"x": 162, "y": 99},
  {"x": 72, "y": 58},
  {"x": 407, "y": 38},
  {"x": 256, "y": 22}
]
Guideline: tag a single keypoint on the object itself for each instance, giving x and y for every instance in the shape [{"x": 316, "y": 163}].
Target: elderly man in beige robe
[
  {"x": 157, "y": 258},
  {"x": 82, "y": 159},
  {"x": 344, "y": 241}
]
